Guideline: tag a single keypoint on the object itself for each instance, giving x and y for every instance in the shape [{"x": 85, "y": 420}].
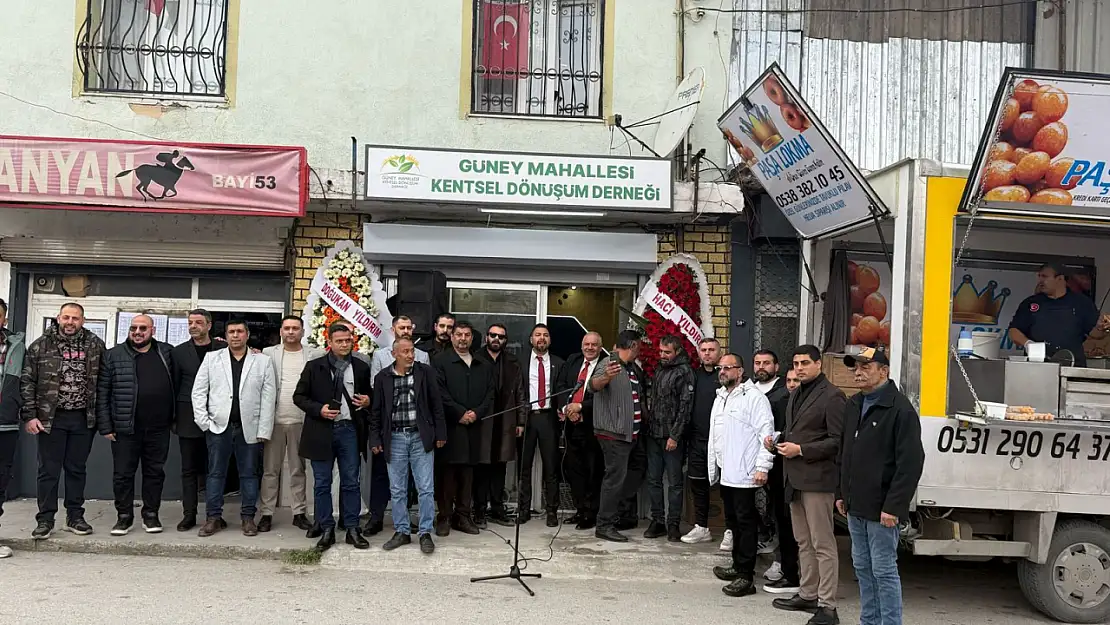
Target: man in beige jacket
[{"x": 288, "y": 359}]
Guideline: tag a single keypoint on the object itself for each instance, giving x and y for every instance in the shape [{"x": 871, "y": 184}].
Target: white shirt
[
  {"x": 589, "y": 365},
  {"x": 534, "y": 381},
  {"x": 349, "y": 384},
  {"x": 292, "y": 364},
  {"x": 765, "y": 387}
]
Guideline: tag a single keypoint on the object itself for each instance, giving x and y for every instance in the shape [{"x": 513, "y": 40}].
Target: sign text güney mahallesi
[{"x": 524, "y": 187}]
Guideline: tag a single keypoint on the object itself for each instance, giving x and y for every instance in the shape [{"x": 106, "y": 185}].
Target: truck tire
[{"x": 1073, "y": 585}]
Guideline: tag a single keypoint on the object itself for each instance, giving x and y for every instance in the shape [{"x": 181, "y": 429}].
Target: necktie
[
  {"x": 542, "y": 384},
  {"x": 581, "y": 392}
]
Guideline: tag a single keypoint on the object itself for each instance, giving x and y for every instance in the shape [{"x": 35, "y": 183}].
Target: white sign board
[
  {"x": 798, "y": 162},
  {"x": 507, "y": 178}
]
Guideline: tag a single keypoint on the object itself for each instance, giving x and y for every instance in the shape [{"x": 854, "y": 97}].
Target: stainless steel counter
[
  {"x": 1084, "y": 394},
  {"x": 1035, "y": 384}
]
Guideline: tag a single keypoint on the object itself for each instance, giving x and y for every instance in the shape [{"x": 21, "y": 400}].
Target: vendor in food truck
[{"x": 1057, "y": 316}]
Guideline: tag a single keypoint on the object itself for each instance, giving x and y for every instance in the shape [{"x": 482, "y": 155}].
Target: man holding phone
[{"x": 334, "y": 393}]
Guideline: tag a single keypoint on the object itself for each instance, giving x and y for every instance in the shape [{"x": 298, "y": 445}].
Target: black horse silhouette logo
[{"x": 165, "y": 175}]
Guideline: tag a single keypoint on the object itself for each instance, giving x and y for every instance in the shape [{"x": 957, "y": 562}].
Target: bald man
[{"x": 135, "y": 403}]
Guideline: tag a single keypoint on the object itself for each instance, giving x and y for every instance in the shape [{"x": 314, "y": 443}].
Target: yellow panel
[
  {"x": 941, "y": 201},
  {"x": 466, "y": 69},
  {"x": 231, "y": 59}
]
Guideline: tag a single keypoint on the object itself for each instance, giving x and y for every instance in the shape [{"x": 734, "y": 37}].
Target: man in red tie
[
  {"x": 541, "y": 427},
  {"x": 585, "y": 464}
]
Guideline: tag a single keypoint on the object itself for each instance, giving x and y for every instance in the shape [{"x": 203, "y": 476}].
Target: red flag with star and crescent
[{"x": 505, "y": 28}]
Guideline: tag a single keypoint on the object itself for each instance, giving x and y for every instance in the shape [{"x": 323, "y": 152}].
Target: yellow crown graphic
[
  {"x": 759, "y": 126},
  {"x": 970, "y": 305}
]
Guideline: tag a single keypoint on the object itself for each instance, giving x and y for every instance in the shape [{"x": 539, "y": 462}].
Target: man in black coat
[
  {"x": 706, "y": 383},
  {"x": 541, "y": 426},
  {"x": 500, "y": 433},
  {"x": 194, "y": 449},
  {"x": 135, "y": 410},
  {"x": 334, "y": 393},
  {"x": 585, "y": 465},
  {"x": 406, "y": 428},
  {"x": 671, "y": 400},
  {"x": 466, "y": 389},
  {"x": 881, "y": 459}
]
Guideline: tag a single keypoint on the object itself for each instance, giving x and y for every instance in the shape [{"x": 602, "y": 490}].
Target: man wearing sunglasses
[
  {"x": 135, "y": 403},
  {"x": 499, "y": 434}
]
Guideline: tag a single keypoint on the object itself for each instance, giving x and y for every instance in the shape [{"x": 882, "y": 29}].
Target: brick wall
[
  {"x": 318, "y": 230},
  {"x": 712, "y": 246}
]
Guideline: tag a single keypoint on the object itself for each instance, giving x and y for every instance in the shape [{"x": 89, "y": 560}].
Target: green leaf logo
[{"x": 405, "y": 167}]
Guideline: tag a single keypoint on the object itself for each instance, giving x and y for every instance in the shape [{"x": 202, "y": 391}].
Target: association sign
[
  {"x": 543, "y": 180},
  {"x": 1044, "y": 148},
  {"x": 796, "y": 159}
]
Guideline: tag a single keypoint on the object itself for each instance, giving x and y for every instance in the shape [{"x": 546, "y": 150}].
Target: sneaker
[
  {"x": 697, "y": 535},
  {"x": 767, "y": 546},
  {"x": 79, "y": 527},
  {"x": 5, "y": 552},
  {"x": 726, "y": 573},
  {"x": 726, "y": 543},
  {"x": 151, "y": 525},
  {"x": 43, "y": 530},
  {"x": 742, "y": 587},
  {"x": 782, "y": 586},
  {"x": 773, "y": 572},
  {"x": 122, "y": 526}
]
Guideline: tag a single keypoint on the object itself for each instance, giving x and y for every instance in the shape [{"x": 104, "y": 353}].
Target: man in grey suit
[{"x": 288, "y": 360}]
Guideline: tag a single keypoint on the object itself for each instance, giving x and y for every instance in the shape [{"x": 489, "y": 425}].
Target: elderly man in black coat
[{"x": 466, "y": 388}]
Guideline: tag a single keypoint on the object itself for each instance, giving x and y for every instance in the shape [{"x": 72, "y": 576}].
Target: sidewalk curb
[{"x": 128, "y": 548}]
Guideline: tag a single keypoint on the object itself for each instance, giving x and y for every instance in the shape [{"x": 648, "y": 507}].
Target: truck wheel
[{"x": 1073, "y": 585}]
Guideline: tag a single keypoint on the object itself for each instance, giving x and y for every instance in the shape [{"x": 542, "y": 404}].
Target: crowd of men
[{"x": 438, "y": 426}]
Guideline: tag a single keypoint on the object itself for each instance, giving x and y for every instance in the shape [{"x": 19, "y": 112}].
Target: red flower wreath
[{"x": 680, "y": 283}]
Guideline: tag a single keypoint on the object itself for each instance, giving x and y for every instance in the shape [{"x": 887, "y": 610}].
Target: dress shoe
[
  {"x": 301, "y": 522},
  {"x": 374, "y": 527},
  {"x": 426, "y": 544},
  {"x": 222, "y": 523},
  {"x": 611, "y": 534},
  {"x": 796, "y": 604},
  {"x": 726, "y": 573},
  {"x": 211, "y": 526},
  {"x": 327, "y": 539},
  {"x": 481, "y": 523},
  {"x": 501, "y": 517},
  {"x": 314, "y": 532},
  {"x": 553, "y": 519},
  {"x": 465, "y": 525},
  {"x": 266, "y": 523},
  {"x": 624, "y": 525},
  {"x": 825, "y": 616},
  {"x": 655, "y": 530},
  {"x": 398, "y": 540},
  {"x": 187, "y": 523},
  {"x": 586, "y": 523},
  {"x": 443, "y": 527},
  {"x": 356, "y": 539},
  {"x": 523, "y": 515},
  {"x": 742, "y": 587},
  {"x": 250, "y": 528},
  {"x": 673, "y": 534}
]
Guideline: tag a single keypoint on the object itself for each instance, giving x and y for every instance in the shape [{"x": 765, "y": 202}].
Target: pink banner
[{"x": 80, "y": 174}]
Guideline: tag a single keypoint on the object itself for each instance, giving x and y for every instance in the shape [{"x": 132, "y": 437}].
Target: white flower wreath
[{"x": 345, "y": 260}]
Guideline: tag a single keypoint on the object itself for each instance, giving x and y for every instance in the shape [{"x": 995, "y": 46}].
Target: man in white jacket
[
  {"x": 740, "y": 421},
  {"x": 233, "y": 404}
]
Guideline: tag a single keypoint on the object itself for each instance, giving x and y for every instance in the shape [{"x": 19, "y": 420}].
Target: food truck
[{"x": 1017, "y": 445}]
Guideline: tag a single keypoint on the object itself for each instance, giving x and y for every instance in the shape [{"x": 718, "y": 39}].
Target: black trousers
[
  {"x": 456, "y": 493},
  {"x": 625, "y": 468},
  {"x": 150, "y": 448},
  {"x": 8, "y": 444},
  {"x": 743, "y": 518},
  {"x": 699, "y": 492},
  {"x": 194, "y": 471},
  {"x": 540, "y": 430},
  {"x": 788, "y": 545},
  {"x": 489, "y": 488},
  {"x": 585, "y": 468},
  {"x": 65, "y": 448}
]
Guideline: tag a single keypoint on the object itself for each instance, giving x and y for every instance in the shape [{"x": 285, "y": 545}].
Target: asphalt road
[{"x": 92, "y": 589}]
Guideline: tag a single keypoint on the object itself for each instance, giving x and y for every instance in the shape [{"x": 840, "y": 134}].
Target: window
[
  {"x": 538, "y": 57},
  {"x": 154, "y": 47}
]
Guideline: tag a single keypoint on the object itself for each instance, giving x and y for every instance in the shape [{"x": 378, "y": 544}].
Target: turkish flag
[
  {"x": 156, "y": 6},
  {"x": 505, "y": 39}
]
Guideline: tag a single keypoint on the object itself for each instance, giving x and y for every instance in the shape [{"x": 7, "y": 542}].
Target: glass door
[{"x": 516, "y": 306}]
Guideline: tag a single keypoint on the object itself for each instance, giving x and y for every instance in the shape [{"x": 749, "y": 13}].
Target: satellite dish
[{"x": 679, "y": 113}]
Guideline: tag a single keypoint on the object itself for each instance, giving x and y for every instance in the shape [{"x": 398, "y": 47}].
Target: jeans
[
  {"x": 8, "y": 444},
  {"x": 194, "y": 468},
  {"x": 151, "y": 447},
  {"x": 875, "y": 558},
  {"x": 221, "y": 448},
  {"x": 624, "y": 472},
  {"x": 659, "y": 461},
  {"x": 406, "y": 451},
  {"x": 743, "y": 520},
  {"x": 67, "y": 448},
  {"x": 344, "y": 451}
]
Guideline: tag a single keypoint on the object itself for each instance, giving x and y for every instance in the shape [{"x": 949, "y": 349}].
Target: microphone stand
[{"x": 514, "y": 570}]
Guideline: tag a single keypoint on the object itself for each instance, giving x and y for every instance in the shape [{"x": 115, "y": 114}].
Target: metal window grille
[
  {"x": 154, "y": 47},
  {"x": 777, "y": 299},
  {"x": 538, "y": 57}
]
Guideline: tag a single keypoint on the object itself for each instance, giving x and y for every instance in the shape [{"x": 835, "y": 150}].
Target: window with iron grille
[
  {"x": 155, "y": 48},
  {"x": 777, "y": 297},
  {"x": 538, "y": 57}
]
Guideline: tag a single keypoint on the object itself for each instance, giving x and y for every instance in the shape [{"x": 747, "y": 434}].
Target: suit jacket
[
  {"x": 429, "y": 409},
  {"x": 314, "y": 390},
  {"x": 185, "y": 366},
  {"x": 569, "y": 379},
  {"x": 779, "y": 398},
  {"x": 464, "y": 388},
  {"x": 816, "y": 424},
  {"x": 212, "y": 394}
]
